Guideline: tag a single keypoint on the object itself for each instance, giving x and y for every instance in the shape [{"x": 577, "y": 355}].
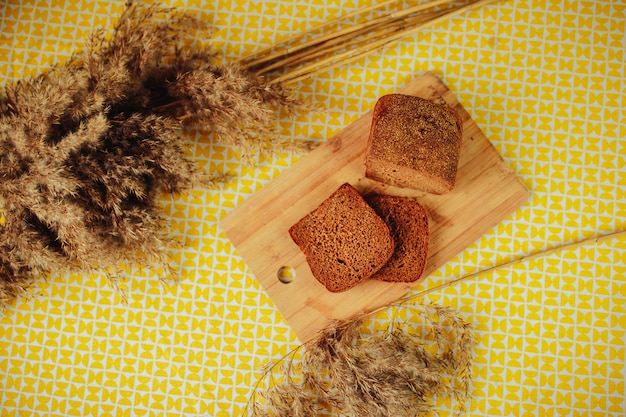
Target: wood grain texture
[{"x": 485, "y": 193}]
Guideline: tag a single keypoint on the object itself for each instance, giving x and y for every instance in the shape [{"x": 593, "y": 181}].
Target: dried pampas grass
[
  {"x": 421, "y": 355},
  {"x": 86, "y": 148},
  {"x": 408, "y": 367}
]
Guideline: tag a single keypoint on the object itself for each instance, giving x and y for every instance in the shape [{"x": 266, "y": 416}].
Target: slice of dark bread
[
  {"x": 343, "y": 239},
  {"x": 408, "y": 222},
  {"x": 414, "y": 143}
]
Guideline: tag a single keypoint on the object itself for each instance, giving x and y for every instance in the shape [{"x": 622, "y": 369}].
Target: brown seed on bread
[
  {"x": 343, "y": 239},
  {"x": 414, "y": 143},
  {"x": 408, "y": 222}
]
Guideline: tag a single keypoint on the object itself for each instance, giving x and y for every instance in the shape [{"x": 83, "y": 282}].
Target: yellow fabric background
[{"x": 545, "y": 80}]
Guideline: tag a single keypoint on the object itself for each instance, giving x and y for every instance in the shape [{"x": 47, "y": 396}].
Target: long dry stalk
[
  {"x": 295, "y": 37},
  {"x": 527, "y": 258},
  {"x": 318, "y": 50},
  {"x": 302, "y": 43},
  {"x": 356, "y": 49}
]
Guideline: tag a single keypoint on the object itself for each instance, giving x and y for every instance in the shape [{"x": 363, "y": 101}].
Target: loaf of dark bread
[
  {"x": 414, "y": 143},
  {"x": 408, "y": 222},
  {"x": 343, "y": 239}
]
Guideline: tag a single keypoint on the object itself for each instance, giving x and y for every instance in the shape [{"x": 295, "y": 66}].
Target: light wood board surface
[{"x": 485, "y": 193}]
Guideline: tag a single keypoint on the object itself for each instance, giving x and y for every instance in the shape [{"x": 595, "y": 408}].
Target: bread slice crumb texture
[
  {"x": 408, "y": 223},
  {"x": 344, "y": 241}
]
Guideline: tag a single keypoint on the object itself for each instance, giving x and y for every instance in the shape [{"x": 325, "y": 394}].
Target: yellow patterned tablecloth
[{"x": 546, "y": 82}]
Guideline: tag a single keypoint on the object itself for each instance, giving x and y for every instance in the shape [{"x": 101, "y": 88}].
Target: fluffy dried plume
[
  {"x": 355, "y": 368},
  {"x": 87, "y": 148}
]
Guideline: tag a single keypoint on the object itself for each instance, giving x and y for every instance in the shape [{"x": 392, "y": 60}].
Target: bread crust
[
  {"x": 344, "y": 241},
  {"x": 414, "y": 143}
]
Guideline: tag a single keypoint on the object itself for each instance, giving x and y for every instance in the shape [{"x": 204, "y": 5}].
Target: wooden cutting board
[{"x": 486, "y": 192}]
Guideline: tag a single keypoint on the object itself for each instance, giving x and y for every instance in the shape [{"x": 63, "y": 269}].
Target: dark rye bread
[
  {"x": 343, "y": 239},
  {"x": 408, "y": 222},
  {"x": 414, "y": 143}
]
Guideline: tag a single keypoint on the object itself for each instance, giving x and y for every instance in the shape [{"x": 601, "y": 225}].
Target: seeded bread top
[{"x": 414, "y": 143}]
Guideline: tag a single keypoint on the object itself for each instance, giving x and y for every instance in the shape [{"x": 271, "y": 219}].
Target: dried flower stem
[
  {"x": 259, "y": 54},
  {"x": 383, "y": 20},
  {"x": 356, "y": 40},
  {"x": 362, "y": 48},
  {"x": 547, "y": 252}
]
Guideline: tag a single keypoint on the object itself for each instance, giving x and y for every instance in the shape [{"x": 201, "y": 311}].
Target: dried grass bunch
[
  {"x": 86, "y": 148},
  {"x": 409, "y": 367},
  {"x": 404, "y": 368}
]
